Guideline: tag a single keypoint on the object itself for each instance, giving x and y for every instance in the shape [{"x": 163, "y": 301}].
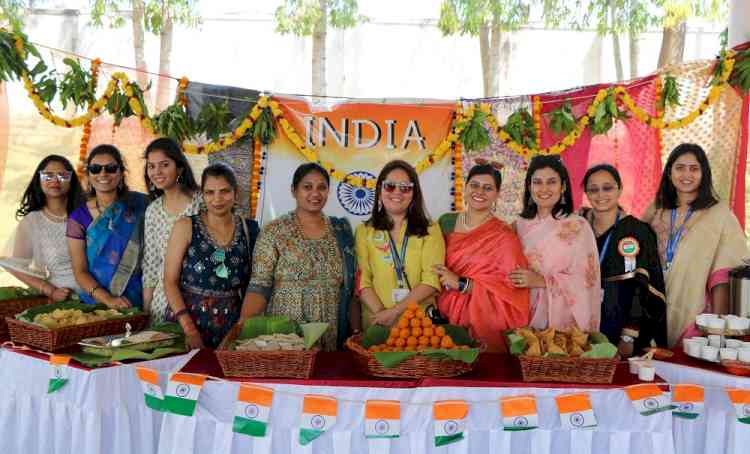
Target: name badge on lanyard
[
  {"x": 399, "y": 265},
  {"x": 674, "y": 238}
]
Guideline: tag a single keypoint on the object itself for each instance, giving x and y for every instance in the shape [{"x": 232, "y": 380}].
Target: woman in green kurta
[{"x": 304, "y": 262}]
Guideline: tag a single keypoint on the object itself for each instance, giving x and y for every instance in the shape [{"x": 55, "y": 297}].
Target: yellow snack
[
  {"x": 554, "y": 348},
  {"x": 576, "y": 350},
  {"x": 533, "y": 350}
]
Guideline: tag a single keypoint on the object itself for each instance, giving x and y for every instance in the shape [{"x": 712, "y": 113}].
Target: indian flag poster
[
  {"x": 576, "y": 411},
  {"x": 519, "y": 413},
  {"x": 450, "y": 421},
  {"x": 382, "y": 419},
  {"x": 60, "y": 374},
  {"x": 687, "y": 400},
  {"x": 740, "y": 398},
  {"x": 182, "y": 393},
  {"x": 252, "y": 410},
  {"x": 151, "y": 390},
  {"x": 648, "y": 399},
  {"x": 318, "y": 415}
]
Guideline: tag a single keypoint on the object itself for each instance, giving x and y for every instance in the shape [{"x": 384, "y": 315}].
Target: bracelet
[
  {"x": 463, "y": 284},
  {"x": 93, "y": 289},
  {"x": 180, "y": 313}
]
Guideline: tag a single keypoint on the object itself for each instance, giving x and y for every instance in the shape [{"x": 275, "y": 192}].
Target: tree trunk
[
  {"x": 484, "y": 54},
  {"x": 635, "y": 51},
  {"x": 672, "y": 45},
  {"x": 617, "y": 52},
  {"x": 319, "y": 51},
  {"x": 163, "y": 92},
  {"x": 495, "y": 48},
  {"x": 138, "y": 43}
]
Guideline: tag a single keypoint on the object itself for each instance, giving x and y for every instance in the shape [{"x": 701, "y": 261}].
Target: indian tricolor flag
[
  {"x": 450, "y": 421},
  {"x": 182, "y": 393},
  {"x": 59, "y": 372},
  {"x": 687, "y": 400},
  {"x": 648, "y": 399},
  {"x": 382, "y": 419},
  {"x": 252, "y": 410},
  {"x": 575, "y": 411},
  {"x": 151, "y": 390},
  {"x": 740, "y": 398},
  {"x": 318, "y": 415},
  {"x": 519, "y": 413}
]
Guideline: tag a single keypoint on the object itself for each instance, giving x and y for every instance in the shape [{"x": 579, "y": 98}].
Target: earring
[
  {"x": 151, "y": 187},
  {"x": 179, "y": 178},
  {"x": 493, "y": 208},
  {"x": 380, "y": 205}
]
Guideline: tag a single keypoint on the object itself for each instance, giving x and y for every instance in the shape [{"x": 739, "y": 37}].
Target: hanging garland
[{"x": 84, "y": 146}]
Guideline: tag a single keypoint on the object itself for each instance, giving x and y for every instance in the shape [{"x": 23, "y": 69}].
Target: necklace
[
  {"x": 53, "y": 216},
  {"x": 465, "y": 220}
]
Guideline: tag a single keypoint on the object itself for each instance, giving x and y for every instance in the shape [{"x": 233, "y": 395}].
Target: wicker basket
[
  {"x": 418, "y": 366},
  {"x": 57, "y": 339},
  {"x": 9, "y": 308},
  {"x": 568, "y": 370},
  {"x": 264, "y": 364}
]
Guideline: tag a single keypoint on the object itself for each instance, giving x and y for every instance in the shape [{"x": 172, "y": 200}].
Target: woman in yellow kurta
[{"x": 397, "y": 248}]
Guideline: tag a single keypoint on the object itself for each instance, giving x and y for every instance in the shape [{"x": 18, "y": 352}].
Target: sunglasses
[
  {"x": 95, "y": 169},
  {"x": 596, "y": 190},
  {"x": 62, "y": 177},
  {"x": 390, "y": 186}
]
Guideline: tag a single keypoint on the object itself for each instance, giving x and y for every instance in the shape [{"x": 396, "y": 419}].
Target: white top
[{"x": 158, "y": 228}]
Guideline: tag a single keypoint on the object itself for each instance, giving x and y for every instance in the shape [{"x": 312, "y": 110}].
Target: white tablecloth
[
  {"x": 717, "y": 430},
  {"x": 621, "y": 429},
  {"x": 96, "y": 412}
]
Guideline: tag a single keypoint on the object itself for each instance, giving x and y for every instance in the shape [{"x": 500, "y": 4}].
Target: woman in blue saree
[{"x": 105, "y": 234}]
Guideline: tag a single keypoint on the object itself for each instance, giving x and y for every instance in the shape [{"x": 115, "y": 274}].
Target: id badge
[{"x": 399, "y": 294}]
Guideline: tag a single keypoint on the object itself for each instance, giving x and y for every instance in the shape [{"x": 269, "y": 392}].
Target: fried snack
[
  {"x": 576, "y": 350},
  {"x": 548, "y": 335},
  {"x": 555, "y": 349},
  {"x": 579, "y": 337},
  {"x": 534, "y": 350},
  {"x": 561, "y": 340}
]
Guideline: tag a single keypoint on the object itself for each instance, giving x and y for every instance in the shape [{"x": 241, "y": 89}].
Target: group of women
[{"x": 182, "y": 254}]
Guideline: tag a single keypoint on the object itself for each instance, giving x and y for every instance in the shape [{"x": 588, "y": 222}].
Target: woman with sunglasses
[
  {"x": 207, "y": 265},
  {"x": 105, "y": 234},
  {"x": 699, "y": 240},
  {"x": 174, "y": 194},
  {"x": 563, "y": 273},
  {"x": 397, "y": 248},
  {"x": 40, "y": 257},
  {"x": 304, "y": 263},
  {"x": 633, "y": 309},
  {"x": 478, "y": 294}
]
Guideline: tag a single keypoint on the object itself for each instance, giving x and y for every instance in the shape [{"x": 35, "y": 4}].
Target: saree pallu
[
  {"x": 114, "y": 243},
  {"x": 486, "y": 255},
  {"x": 564, "y": 252},
  {"x": 711, "y": 244}
]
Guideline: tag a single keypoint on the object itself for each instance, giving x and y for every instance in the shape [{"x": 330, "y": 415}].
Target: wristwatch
[{"x": 627, "y": 339}]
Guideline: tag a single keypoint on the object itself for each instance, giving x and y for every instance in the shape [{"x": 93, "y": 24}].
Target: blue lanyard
[
  {"x": 674, "y": 237},
  {"x": 609, "y": 237},
  {"x": 399, "y": 261}
]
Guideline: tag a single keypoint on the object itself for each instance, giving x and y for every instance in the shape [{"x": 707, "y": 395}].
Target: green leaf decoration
[
  {"x": 520, "y": 127},
  {"x": 474, "y": 136},
  {"x": 598, "y": 338},
  {"x": 718, "y": 69},
  {"x": 375, "y": 335},
  {"x": 11, "y": 293},
  {"x": 604, "y": 350},
  {"x": 312, "y": 332},
  {"x": 125, "y": 354},
  {"x": 174, "y": 122},
  {"x": 458, "y": 334},
  {"x": 740, "y": 77},
  {"x": 670, "y": 95},
  {"x": 214, "y": 119},
  {"x": 517, "y": 344},
  {"x": 562, "y": 120},
  {"x": 259, "y": 326},
  {"x": 90, "y": 359},
  {"x": 264, "y": 128},
  {"x": 606, "y": 113},
  {"x": 76, "y": 86},
  {"x": 392, "y": 359}
]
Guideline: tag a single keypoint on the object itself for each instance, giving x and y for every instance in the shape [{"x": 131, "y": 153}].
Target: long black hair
[
  {"x": 33, "y": 197},
  {"x": 564, "y": 206},
  {"x": 610, "y": 169},
  {"x": 666, "y": 197},
  {"x": 185, "y": 178},
  {"x": 417, "y": 220},
  {"x": 109, "y": 150}
]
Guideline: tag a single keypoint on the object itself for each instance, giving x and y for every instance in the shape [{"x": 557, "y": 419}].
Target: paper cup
[
  {"x": 744, "y": 355},
  {"x": 710, "y": 353},
  {"x": 693, "y": 348},
  {"x": 728, "y": 353},
  {"x": 733, "y": 343},
  {"x": 702, "y": 319},
  {"x": 646, "y": 373},
  {"x": 701, "y": 340},
  {"x": 714, "y": 340},
  {"x": 635, "y": 364},
  {"x": 717, "y": 323}
]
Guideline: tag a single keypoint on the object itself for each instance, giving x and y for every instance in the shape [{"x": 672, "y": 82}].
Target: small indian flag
[
  {"x": 450, "y": 421},
  {"x": 740, "y": 398},
  {"x": 60, "y": 373},
  {"x": 252, "y": 410},
  {"x": 519, "y": 413},
  {"x": 575, "y": 411},
  {"x": 182, "y": 393},
  {"x": 382, "y": 419},
  {"x": 648, "y": 399},
  {"x": 318, "y": 415},
  {"x": 151, "y": 390},
  {"x": 688, "y": 401}
]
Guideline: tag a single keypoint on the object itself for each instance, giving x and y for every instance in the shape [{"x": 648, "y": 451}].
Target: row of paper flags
[{"x": 252, "y": 412}]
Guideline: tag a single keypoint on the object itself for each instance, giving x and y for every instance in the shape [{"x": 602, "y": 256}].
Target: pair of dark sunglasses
[
  {"x": 390, "y": 186},
  {"x": 96, "y": 169}
]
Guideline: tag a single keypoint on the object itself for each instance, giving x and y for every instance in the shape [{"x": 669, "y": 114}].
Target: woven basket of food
[{"x": 14, "y": 300}]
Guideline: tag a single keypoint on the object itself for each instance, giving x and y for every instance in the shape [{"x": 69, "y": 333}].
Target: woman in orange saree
[{"x": 481, "y": 250}]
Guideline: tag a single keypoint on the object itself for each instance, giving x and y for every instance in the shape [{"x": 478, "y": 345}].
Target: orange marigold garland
[
  {"x": 181, "y": 96},
  {"x": 458, "y": 180},
  {"x": 86, "y": 136},
  {"x": 255, "y": 174},
  {"x": 537, "y": 117}
]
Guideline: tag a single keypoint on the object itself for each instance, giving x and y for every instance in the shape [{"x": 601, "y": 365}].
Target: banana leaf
[
  {"x": 259, "y": 326},
  {"x": 467, "y": 356},
  {"x": 312, "y": 332},
  {"x": 603, "y": 350},
  {"x": 517, "y": 343},
  {"x": 392, "y": 359},
  {"x": 375, "y": 335},
  {"x": 12, "y": 293}
]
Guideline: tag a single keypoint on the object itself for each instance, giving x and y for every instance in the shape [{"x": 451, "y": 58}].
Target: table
[
  {"x": 98, "y": 411},
  {"x": 621, "y": 429}
]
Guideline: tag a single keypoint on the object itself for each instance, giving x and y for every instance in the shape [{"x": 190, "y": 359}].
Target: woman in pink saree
[
  {"x": 563, "y": 272},
  {"x": 481, "y": 251}
]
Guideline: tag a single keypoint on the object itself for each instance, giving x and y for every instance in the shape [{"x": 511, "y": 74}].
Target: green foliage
[
  {"x": 174, "y": 122},
  {"x": 718, "y": 69},
  {"x": 299, "y": 17},
  {"x": 740, "y": 77},
  {"x": 670, "y": 96},
  {"x": 562, "y": 120},
  {"x": 214, "y": 119},
  {"x": 118, "y": 105},
  {"x": 115, "y": 12},
  {"x": 264, "y": 128},
  {"x": 467, "y": 17},
  {"x": 76, "y": 86},
  {"x": 11, "y": 63},
  {"x": 474, "y": 135},
  {"x": 606, "y": 113},
  {"x": 11, "y": 14},
  {"x": 520, "y": 127}
]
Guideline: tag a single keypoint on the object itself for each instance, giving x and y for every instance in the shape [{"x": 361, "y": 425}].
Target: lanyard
[
  {"x": 609, "y": 237},
  {"x": 399, "y": 261},
  {"x": 674, "y": 237}
]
